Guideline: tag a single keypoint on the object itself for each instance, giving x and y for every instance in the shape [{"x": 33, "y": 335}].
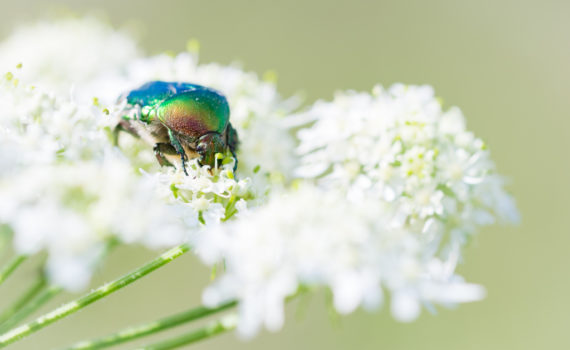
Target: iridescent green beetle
[{"x": 185, "y": 119}]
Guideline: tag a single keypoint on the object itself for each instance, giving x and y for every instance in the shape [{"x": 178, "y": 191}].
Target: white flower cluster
[
  {"x": 214, "y": 195},
  {"x": 393, "y": 187},
  {"x": 98, "y": 61},
  {"x": 73, "y": 210},
  {"x": 66, "y": 190},
  {"x": 63, "y": 187},
  {"x": 399, "y": 147},
  {"x": 378, "y": 194},
  {"x": 38, "y": 128},
  {"x": 311, "y": 237}
]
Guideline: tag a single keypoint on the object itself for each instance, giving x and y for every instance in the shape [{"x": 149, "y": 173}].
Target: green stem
[
  {"x": 225, "y": 324},
  {"x": 24, "y": 299},
  {"x": 214, "y": 328},
  {"x": 2, "y": 243},
  {"x": 30, "y": 307},
  {"x": 78, "y": 304},
  {"x": 10, "y": 267},
  {"x": 136, "y": 332}
]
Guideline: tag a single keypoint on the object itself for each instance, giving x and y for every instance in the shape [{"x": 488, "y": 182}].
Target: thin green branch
[
  {"x": 24, "y": 299},
  {"x": 11, "y": 267},
  {"x": 29, "y": 308},
  {"x": 139, "y": 331},
  {"x": 227, "y": 323},
  {"x": 87, "y": 299},
  {"x": 2, "y": 243},
  {"x": 214, "y": 328}
]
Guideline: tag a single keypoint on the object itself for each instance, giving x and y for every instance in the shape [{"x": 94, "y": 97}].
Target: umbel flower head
[
  {"x": 377, "y": 193},
  {"x": 398, "y": 147},
  {"x": 393, "y": 188},
  {"x": 65, "y": 189},
  {"x": 311, "y": 237}
]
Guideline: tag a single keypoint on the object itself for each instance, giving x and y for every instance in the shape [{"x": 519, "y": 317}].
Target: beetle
[{"x": 183, "y": 119}]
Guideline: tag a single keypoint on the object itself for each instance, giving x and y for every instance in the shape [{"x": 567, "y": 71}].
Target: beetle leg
[
  {"x": 125, "y": 126},
  {"x": 235, "y": 158},
  {"x": 179, "y": 149},
  {"x": 160, "y": 149},
  {"x": 232, "y": 141}
]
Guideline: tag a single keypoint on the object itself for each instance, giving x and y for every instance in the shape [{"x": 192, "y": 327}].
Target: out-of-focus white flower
[
  {"x": 72, "y": 210},
  {"x": 399, "y": 147},
  {"x": 314, "y": 237},
  {"x": 84, "y": 53}
]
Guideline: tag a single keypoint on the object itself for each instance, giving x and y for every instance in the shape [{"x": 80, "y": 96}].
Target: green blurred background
[{"x": 505, "y": 63}]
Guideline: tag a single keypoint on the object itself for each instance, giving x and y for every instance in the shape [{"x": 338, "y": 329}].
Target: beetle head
[{"x": 208, "y": 146}]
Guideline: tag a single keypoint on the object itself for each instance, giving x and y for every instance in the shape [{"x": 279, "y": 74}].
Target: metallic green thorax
[
  {"x": 190, "y": 116},
  {"x": 188, "y": 109}
]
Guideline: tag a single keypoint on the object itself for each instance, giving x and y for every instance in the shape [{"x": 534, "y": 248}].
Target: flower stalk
[
  {"x": 89, "y": 298},
  {"x": 11, "y": 267},
  {"x": 223, "y": 325},
  {"x": 29, "y": 308},
  {"x": 142, "y": 330},
  {"x": 27, "y": 297}
]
